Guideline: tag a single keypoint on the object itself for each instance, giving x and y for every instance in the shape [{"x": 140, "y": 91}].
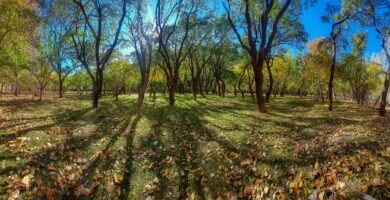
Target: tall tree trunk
[
  {"x": 240, "y": 89},
  {"x": 376, "y": 102},
  {"x": 140, "y": 99},
  {"x": 332, "y": 69},
  {"x": 95, "y": 95},
  {"x": 259, "y": 79},
  {"x": 40, "y": 92},
  {"x": 382, "y": 108},
  {"x": 282, "y": 93},
  {"x": 141, "y": 95},
  {"x": 16, "y": 91},
  {"x": 223, "y": 88},
  {"x": 97, "y": 89},
  {"x": 61, "y": 88},
  {"x": 251, "y": 88},
  {"x": 173, "y": 86},
  {"x": 271, "y": 83},
  {"x": 194, "y": 87}
]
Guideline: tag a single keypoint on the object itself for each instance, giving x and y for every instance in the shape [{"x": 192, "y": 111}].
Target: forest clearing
[{"x": 195, "y": 99}]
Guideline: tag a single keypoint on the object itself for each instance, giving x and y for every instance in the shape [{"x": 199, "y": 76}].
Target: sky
[{"x": 311, "y": 19}]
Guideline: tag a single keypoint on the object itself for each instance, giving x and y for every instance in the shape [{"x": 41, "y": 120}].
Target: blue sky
[{"x": 311, "y": 19}]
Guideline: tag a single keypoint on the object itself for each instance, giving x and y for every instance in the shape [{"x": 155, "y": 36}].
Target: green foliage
[
  {"x": 79, "y": 81},
  {"x": 122, "y": 75},
  {"x": 286, "y": 72},
  {"x": 363, "y": 77},
  {"x": 316, "y": 64}
]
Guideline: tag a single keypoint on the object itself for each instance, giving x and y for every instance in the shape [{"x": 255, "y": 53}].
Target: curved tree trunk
[{"x": 332, "y": 69}]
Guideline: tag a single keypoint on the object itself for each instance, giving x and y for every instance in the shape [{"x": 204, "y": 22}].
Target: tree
[
  {"x": 290, "y": 33},
  {"x": 118, "y": 77},
  {"x": 41, "y": 72},
  {"x": 18, "y": 22},
  {"x": 316, "y": 66},
  {"x": 78, "y": 81},
  {"x": 17, "y": 17},
  {"x": 56, "y": 40},
  {"x": 173, "y": 24},
  {"x": 353, "y": 68},
  {"x": 141, "y": 41},
  {"x": 260, "y": 32},
  {"x": 285, "y": 70},
  {"x": 209, "y": 43},
  {"x": 374, "y": 13},
  {"x": 337, "y": 18},
  {"x": 92, "y": 32}
]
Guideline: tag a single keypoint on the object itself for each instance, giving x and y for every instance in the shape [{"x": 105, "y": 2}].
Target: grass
[{"x": 206, "y": 149}]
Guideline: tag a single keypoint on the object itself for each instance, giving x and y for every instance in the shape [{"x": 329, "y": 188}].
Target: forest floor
[{"x": 212, "y": 148}]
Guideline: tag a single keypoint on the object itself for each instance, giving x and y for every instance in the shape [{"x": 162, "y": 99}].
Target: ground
[{"x": 206, "y": 149}]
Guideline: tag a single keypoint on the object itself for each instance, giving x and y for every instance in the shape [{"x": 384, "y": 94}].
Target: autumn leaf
[
  {"x": 81, "y": 190},
  {"x": 50, "y": 193}
]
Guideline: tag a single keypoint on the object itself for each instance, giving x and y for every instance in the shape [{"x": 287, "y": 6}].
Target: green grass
[{"x": 206, "y": 149}]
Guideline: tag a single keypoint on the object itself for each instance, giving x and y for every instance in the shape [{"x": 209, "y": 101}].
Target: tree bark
[
  {"x": 171, "y": 96},
  {"x": 376, "y": 102},
  {"x": 16, "y": 91},
  {"x": 332, "y": 69},
  {"x": 259, "y": 80},
  {"x": 382, "y": 108},
  {"x": 61, "y": 89},
  {"x": 271, "y": 83},
  {"x": 95, "y": 95},
  {"x": 40, "y": 92}
]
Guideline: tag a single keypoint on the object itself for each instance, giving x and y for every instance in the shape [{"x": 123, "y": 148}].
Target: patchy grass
[{"x": 206, "y": 149}]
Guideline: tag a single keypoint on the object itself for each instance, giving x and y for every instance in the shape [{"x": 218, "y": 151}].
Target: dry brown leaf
[
  {"x": 50, "y": 193},
  {"x": 81, "y": 190}
]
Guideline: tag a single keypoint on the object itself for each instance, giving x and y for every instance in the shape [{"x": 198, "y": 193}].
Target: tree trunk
[
  {"x": 322, "y": 94},
  {"x": 332, "y": 69},
  {"x": 271, "y": 83},
  {"x": 95, "y": 95},
  {"x": 40, "y": 92},
  {"x": 259, "y": 79},
  {"x": 223, "y": 88},
  {"x": 171, "y": 96},
  {"x": 141, "y": 95},
  {"x": 116, "y": 94},
  {"x": 235, "y": 89},
  {"x": 282, "y": 93},
  {"x": 251, "y": 89},
  {"x": 382, "y": 108},
  {"x": 61, "y": 89},
  {"x": 194, "y": 88},
  {"x": 376, "y": 102},
  {"x": 140, "y": 100},
  {"x": 16, "y": 91}
]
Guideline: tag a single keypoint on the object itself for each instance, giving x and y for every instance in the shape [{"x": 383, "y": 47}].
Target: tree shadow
[
  {"x": 110, "y": 118},
  {"x": 125, "y": 184}
]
